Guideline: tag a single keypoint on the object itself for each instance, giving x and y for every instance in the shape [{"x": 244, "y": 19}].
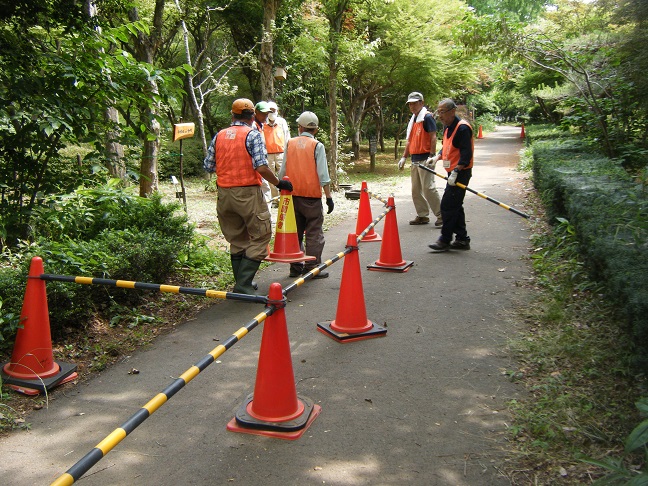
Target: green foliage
[
  {"x": 575, "y": 360},
  {"x": 624, "y": 470},
  {"x": 609, "y": 215},
  {"x": 102, "y": 232},
  {"x": 9, "y": 323}
]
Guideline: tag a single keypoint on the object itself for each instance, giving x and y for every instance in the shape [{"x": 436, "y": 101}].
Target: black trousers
[{"x": 452, "y": 210}]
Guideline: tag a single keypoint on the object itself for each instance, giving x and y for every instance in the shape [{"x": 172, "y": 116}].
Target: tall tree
[
  {"x": 338, "y": 13},
  {"x": 146, "y": 50}
]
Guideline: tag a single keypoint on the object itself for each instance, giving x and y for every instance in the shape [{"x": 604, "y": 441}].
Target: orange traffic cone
[
  {"x": 522, "y": 132},
  {"x": 351, "y": 323},
  {"x": 479, "y": 135},
  {"x": 32, "y": 369},
  {"x": 274, "y": 409},
  {"x": 287, "y": 248},
  {"x": 364, "y": 216},
  {"x": 391, "y": 258}
]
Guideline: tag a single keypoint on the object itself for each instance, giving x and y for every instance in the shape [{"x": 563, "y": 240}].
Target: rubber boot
[
  {"x": 236, "y": 263},
  {"x": 246, "y": 271}
]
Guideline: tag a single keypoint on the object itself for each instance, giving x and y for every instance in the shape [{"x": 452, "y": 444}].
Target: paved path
[{"x": 424, "y": 405}]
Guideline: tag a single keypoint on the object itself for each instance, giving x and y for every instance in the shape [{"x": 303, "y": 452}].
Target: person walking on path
[
  {"x": 238, "y": 156},
  {"x": 457, "y": 153},
  {"x": 307, "y": 169},
  {"x": 276, "y": 133},
  {"x": 421, "y": 146}
]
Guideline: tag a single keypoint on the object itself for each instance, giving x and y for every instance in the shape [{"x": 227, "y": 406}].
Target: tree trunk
[
  {"x": 146, "y": 47},
  {"x": 335, "y": 15},
  {"x": 114, "y": 149},
  {"x": 266, "y": 57},
  {"x": 149, "y": 163}
]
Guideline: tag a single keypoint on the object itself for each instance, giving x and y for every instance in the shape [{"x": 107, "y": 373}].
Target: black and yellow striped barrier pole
[
  {"x": 376, "y": 196},
  {"x": 127, "y": 284},
  {"x": 120, "y": 433},
  {"x": 463, "y": 186},
  {"x": 374, "y": 223},
  {"x": 307, "y": 276}
]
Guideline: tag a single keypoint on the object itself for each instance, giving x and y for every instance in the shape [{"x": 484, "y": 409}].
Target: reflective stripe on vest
[
  {"x": 234, "y": 166},
  {"x": 450, "y": 152},
  {"x": 301, "y": 167},
  {"x": 419, "y": 141},
  {"x": 274, "y": 138}
]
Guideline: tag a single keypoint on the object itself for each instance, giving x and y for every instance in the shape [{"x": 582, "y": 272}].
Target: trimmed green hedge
[{"x": 609, "y": 211}]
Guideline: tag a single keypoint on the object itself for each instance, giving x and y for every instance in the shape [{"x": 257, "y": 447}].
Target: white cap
[
  {"x": 272, "y": 105},
  {"x": 414, "y": 96},
  {"x": 308, "y": 119}
]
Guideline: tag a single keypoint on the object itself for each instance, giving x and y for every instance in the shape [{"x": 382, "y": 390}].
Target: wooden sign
[{"x": 183, "y": 130}]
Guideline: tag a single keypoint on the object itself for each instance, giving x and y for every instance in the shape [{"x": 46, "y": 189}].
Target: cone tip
[{"x": 275, "y": 292}]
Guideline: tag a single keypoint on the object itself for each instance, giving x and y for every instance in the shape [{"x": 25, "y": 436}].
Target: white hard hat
[
  {"x": 272, "y": 105},
  {"x": 308, "y": 119}
]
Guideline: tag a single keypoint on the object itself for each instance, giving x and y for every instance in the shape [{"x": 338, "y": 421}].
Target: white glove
[
  {"x": 431, "y": 161},
  {"x": 401, "y": 163},
  {"x": 452, "y": 178}
]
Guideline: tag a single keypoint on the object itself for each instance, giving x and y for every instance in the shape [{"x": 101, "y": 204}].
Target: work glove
[
  {"x": 401, "y": 163},
  {"x": 285, "y": 186},
  {"x": 330, "y": 204},
  {"x": 452, "y": 178},
  {"x": 431, "y": 161}
]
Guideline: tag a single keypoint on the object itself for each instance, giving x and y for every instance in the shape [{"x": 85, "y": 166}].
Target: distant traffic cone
[
  {"x": 32, "y": 369},
  {"x": 274, "y": 409},
  {"x": 479, "y": 135},
  {"x": 364, "y": 216},
  {"x": 522, "y": 135},
  {"x": 287, "y": 248},
  {"x": 351, "y": 323},
  {"x": 391, "y": 258}
]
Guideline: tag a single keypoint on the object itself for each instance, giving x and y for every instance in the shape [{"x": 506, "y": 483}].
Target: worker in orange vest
[
  {"x": 238, "y": 156},
  {"x": 306, "y": 167},
  {"x": 276, "y": 134},
  {"x": 457, "y": 154}
]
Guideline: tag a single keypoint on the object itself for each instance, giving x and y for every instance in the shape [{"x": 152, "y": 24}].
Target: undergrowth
[{"x": 575, "y": 362}]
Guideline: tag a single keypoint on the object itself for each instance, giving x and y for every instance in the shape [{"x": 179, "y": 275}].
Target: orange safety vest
[
  {"x": 275, "y": 139},
  {"x": 234, "y": 166},
  {"x": 419, "y": 139},
  {"x": 450, "y": 152},
  {"x": 301, "y": 167}
]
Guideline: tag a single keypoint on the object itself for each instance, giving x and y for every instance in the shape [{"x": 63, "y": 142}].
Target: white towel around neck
[{"x": 419, "y": 118}]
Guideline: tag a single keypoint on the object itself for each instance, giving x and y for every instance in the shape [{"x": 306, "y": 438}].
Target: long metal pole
[{"x": 463, "y": 186}]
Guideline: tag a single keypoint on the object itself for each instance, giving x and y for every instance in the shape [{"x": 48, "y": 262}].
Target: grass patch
[{"x": 574, "y": 361}]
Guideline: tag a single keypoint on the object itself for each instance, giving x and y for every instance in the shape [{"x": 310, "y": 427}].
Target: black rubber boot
[
  {"x": 236, "y": 263},
  {"x": 246, "y": 271}
]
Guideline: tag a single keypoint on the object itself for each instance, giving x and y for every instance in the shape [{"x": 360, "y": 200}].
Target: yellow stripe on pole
[
  {"x": 505, "y": 206},
  {"x": 218, "y": 351},
  {"x": 190, "y": 374},
  {"x": 156, "y": 402},
  {"x": 241, "y": 333},
  {"x": 216, "y": 294},
  {"x": 83, "y": 280},
  {"x": 125, "y": 284},
  {"x": 173, "y": 289},
  {"x": 64, "y": 479},
  {"x": 115, "y": 437}
]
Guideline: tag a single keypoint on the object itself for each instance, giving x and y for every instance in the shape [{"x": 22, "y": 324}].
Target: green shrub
[
  {"x": 103, "y": 232},
  {"x": 609, "y": 213}
]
